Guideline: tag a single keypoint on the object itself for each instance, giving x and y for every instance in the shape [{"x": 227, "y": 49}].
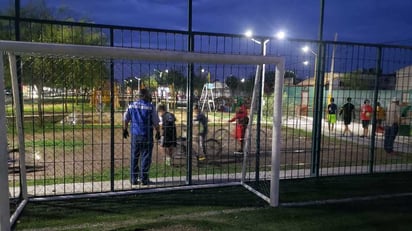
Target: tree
[
  {"x": 63, "y": 73},
  {"x": 232, "y": 82},
  {"x": 176, "y": 79}
]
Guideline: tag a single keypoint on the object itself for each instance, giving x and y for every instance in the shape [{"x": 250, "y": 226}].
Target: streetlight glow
[
  {"x": 306, "y": 63},
  {"x": 249, "y": 33},
  {"x": 280, "y": 35},
  {"x": 305, "y": 49}
]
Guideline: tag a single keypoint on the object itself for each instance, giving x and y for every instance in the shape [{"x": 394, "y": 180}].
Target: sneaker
[
  {"x": 135, "y": 182},
  {"x": 167, "y": 162},
  {"x": 201, "y": 158},
  {"x": 146, "y": 183}
]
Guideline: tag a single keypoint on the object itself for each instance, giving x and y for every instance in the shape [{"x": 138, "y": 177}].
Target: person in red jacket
[
  {"x": 365, "y": 116},
  {"x": 242, "y": 120}
]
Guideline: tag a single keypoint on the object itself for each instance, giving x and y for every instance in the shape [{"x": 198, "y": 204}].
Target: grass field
[{"x": 235, "y": 208}]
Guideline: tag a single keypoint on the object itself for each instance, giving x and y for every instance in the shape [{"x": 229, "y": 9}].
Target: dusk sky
[{"x": 372, "y": 21}]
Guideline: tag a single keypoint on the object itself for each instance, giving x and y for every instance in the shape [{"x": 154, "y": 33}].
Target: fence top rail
[
  {"x": 200, "y": 33},
  {"x": 68, "y": 50}
]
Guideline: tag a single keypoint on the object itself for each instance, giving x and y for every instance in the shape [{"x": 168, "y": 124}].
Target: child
[
  {"x": 332, "y": 109},
  {"x": 380, "y": 117},
  {"x": 201, "y": 118},
  {"x": 168, "y": 139},
  {"x": 242, "y": 121}
]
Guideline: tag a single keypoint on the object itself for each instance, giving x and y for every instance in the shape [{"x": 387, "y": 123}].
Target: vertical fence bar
[
  {"x": 112, "y": 105},
  {"x": 375, "y": 100},
  {"x": 317, "y": 108},
  {"x": 190, "y": 76},
  {"x": 317, "y": 112}
]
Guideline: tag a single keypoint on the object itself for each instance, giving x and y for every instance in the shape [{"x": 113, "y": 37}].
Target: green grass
[
  {"x": 66, "y": 144},
  {"x": 235, "y": 208},
  {"x": 156, "y": 170}
]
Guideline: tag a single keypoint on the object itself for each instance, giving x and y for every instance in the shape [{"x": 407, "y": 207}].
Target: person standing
[
  {"x": 347, "y": 111},
  {"x": 332, "y": 109},
  {"x": 143, "y": 117},
  {"x": 380, "y": 117},
  {"x": 202, "y": 128},
  {"x": 365, "y": 116},
  {"x": 168, "y": 138},
  {"x": 393, "y": 119},
  {"x": 242, "y": 121}
]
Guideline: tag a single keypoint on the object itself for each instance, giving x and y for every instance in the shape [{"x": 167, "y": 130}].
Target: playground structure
[
  {"x": 101, "y": 97},
  {"x": 211, "y": 93}
]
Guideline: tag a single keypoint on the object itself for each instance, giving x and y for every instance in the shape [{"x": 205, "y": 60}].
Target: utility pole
[{"x": 332, "y": 66}]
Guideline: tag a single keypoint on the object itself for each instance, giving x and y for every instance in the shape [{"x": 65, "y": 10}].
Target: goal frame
[{"x": 14, "y": 48}]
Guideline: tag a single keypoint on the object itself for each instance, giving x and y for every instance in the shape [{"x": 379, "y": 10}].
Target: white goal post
[{"x": 13, "y": 48}]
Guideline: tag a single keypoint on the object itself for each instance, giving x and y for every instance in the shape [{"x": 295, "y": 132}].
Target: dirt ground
[{"x": 93, "y": 155}]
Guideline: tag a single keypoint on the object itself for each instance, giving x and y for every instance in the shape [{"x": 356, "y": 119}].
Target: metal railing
[{"x": 76, "y": 145}]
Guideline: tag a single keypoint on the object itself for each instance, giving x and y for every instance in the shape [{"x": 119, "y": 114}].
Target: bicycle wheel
[
  {"x": 213, "y": 149},
  {"x": 223, "y": 136},
  {"x": 179, "y": 155}
]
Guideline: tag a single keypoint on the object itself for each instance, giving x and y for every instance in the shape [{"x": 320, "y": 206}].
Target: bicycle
[
  {"x": 230, "y": 145},
  {"x": 213, "y": 150}
]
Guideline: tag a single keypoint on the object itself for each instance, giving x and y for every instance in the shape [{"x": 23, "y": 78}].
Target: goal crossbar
[{"x": 133, "y": 53}]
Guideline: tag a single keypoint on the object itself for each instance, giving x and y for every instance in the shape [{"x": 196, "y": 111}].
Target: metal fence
[{"x": 73, "y": 125}]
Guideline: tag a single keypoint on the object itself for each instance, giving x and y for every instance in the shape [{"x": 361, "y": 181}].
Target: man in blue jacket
[{"x": 143, "y": 117}]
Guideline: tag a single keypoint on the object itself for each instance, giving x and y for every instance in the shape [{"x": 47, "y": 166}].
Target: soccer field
[{"x": 369, "y": 202}]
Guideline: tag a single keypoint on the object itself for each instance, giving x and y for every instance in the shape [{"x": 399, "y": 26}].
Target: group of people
[
  {"x": 144, "y": 119},
  {"x": 347, "y": 112}
]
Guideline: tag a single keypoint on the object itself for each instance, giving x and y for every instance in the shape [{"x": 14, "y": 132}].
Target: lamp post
[
  {"x": 138, "y": 83},
  {"x": 307, "y": 49},
  {"x": 263, "y": 43},
  {"x": 280, "y": 35},
  {"x": 332, "y": 67}
]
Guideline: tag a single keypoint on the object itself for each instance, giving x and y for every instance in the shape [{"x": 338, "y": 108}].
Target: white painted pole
[
  {"x": 4, "y": 181},
  {"x": 276, "y": 134},
  {"x": 246, "y": 148},
  {"x": 19, "y": 124},
  {"x": 332, "y": 67},
  {"x": 262, "y": 105}
]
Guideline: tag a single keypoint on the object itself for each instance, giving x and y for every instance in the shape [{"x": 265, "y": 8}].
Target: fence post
[
  {"x": 317, "y": 112},
  {"x": 112, "y": 105},
  {"x": 375, "y": 100},
  {"x": 190, "y": 75}
]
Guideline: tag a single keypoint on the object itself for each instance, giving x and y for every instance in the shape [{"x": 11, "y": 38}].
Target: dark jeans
[
  {"x": 141, "y": 149},
  {"x": 390, "y": 135}
]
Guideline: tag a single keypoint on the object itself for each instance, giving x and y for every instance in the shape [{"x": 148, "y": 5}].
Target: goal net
[{"x": 102, "y": 81}]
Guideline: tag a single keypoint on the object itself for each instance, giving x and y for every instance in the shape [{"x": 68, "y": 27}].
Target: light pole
[
  {"x": 280, "y": 35},
  {"x": 332, "y": 66},
  {"x": 307, "y": 49},
  {"x": 263, "y": 44},
  {"x": 138, "y": 83}
]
